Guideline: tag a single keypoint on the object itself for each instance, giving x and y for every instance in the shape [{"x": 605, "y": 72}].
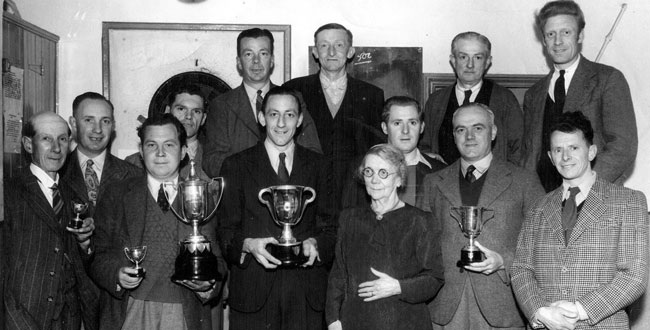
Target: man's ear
[
  {"x": 422, "y": 127},
  {"x": 351, "y": 52},
  {"x": 314, "y": 52},
  {"x": 27, "y": 144},
  {"x": 300, "y": 118},
  {"x": 261, "y": 119},
  {"x": 593, "y": 150},
  {"x": 168, "y": 109},
  {"x": 73, "y": 125},
  {"x": 384, "y": 128}
]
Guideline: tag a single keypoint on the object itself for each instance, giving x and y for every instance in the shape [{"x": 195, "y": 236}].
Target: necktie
[
  {"x": 162, "y": 199},
  {"x": 559, "y": 93},
  {"x": 92, "y": 181},
  {"x": 570, "y": 213},
  {"x": 258, "y": 102},
  {"x": 57, "y": 202},
  {"x": 469, "y": 176},
  {"x": 283, "y": 173},
  {"x": 468, "y": 94}
]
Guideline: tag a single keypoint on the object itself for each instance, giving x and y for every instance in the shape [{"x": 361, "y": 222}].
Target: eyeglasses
[{"x": 383, "y": 173}]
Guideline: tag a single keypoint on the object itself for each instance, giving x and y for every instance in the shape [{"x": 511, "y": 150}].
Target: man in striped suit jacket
[{"x": 582, "y": 255}]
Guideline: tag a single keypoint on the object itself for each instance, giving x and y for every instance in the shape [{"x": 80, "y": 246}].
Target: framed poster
[
  {"x": 140, "y": 58},
  {"x": 396, "y": 70}
]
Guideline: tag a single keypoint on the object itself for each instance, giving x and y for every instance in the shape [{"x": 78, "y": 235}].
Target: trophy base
[
  {"x": 290, "y": 255},
  {"x": 75, "y": 224},
  {"x": 196, "y": 262},
  {"x": 470, "y": 256},
  {"x": 139, "y": 272}
]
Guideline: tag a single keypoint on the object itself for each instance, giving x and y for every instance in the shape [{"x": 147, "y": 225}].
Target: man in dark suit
[
  {"x": 188, "y": 105},
  {"x": 471, "y": 58},
  {"x": 402, "y": 122},
  {"x": 577, "y": 84},
  {"x": 90, "y": 168},
  {"x": 135, "y": 212},
  {"x": 478, "y": 295},
  {"x": 347, "y": 111},
  {"x": 262, "y": 294},
  {"x": 46, "y": 286},
  {"x": 232, "y": 120},
  {"x": 582, "y": 254}
]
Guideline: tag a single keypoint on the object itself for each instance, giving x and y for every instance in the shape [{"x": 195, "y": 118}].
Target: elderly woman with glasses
[{"x": 388, "y": 261}]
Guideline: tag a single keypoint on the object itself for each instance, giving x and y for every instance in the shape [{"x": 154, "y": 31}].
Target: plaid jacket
[{"x": 604, "y": 266}]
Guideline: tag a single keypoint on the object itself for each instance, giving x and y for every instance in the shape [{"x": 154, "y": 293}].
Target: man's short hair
[
  {"x": 254, "y": 33},
  {"x": 89, "y": 96},
  {"x": 29, "y": 130},
  {"x": 477, "y": 105},
  {"x": 190, "y": 89},
  {"x": 402, "y": 101},
  {"x": 572, "y": 122},
  {"x": 334, "y": 26},
  {"x": 162, "y": 120},
  {"x": 471, "y": 35},
  {"x": 281, "y": 90},
  {"x": 560, "y": 7}
]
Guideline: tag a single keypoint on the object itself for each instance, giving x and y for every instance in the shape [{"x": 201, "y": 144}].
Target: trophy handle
[
  {"x": 455, "y": 214},
  {"x": 171, "y": 205},
  {"x": 222, "y": 185},
  {"x": 309, "y": 200},
  {"x": 267, "y": 203},
  {"x": 489, "y": 214}
]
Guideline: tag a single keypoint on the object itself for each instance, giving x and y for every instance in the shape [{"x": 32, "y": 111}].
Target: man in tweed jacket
[{"x": 583, "y": 275}]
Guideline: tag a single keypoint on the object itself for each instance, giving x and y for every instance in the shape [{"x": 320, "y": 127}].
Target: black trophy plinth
[
  {"x": 75, "y": 223},
  {"x": 196, "y": 261},
  {"x": 468, "y": 256},
  {"x": 290, "y": 255}
]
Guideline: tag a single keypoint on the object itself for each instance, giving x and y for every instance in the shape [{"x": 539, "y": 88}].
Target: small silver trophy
[
  {"x": 287, "y": 206},
  {"x": 78, "y": 207},
  {"x": 136, "y": 254},
  {"x": 195, "y": 260},
  {"x": 471, "y": 220}
]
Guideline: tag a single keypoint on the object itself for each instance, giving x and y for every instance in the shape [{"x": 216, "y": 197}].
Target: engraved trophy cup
[
  {"x": 470, "y": 220},
  {"x": 287, "y": 204},
  {"x": 195, "y": 260},
  {"x": 136, "y": 254},
  {"x": 78, "y": 207}
]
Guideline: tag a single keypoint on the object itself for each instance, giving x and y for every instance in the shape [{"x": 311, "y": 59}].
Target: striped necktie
[{"x": 57, "y": 201}]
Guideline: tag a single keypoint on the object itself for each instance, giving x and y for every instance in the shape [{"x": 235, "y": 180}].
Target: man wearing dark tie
[
  {"x": 264, "y": 295},
  {"x": 471, "y": 58},
  {"x": 478, "y": 295},
  {"x": 135, "y": 212},
  {"x": 577, "y": 84},
  {"x": 582, "y": 254},
  {"x": 91, "y": 167},
  {"x": 346, "y": 111},
  {"x": 232, "y": 124},
  {"x": 46, "y": 286}
]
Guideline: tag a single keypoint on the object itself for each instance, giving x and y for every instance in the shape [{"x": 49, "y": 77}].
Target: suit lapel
[
  {"x": 244, "y": 111},
  {"x": 498, "y": 179},
  {"x": 449, "y": 184},
  {"x": 75, "y": 178},
  {"x": 592, "y": 210},
  {"x": 260, "y": 166},
  {"x": 135, "y": 201},
  {"x": 553, "y": 213},
  {"x": 581, "y": 84},
  {"x": 38, "y": 202}
]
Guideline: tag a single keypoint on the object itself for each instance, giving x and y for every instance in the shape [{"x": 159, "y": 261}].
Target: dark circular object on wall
[{"x": 210, "y": 85}]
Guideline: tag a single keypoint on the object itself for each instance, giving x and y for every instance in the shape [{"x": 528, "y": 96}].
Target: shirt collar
[
  {"x": 42, "y": 176},
  {"x": 252, "y": 92},
  {"x": 415, "y": 157},
  {"x": 585, "y": 186},
  {"x": 474, "y": 88},
  {"x": 98, "y": 161},
  {"x": 192, "y": 147},
  {"x": 481, "y": 165},
  {"x": 340, "y": 83},
  {"x": 154, "y": 185},
  {"x": 274, "y": 154}
]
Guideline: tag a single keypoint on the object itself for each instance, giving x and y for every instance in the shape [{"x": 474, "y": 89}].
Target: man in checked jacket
[{"x": 582, "y": 254}]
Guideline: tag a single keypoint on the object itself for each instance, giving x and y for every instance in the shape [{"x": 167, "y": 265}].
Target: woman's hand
[
  {"x": 383, "y": 287},
  {"x": 336, "y": 325}
]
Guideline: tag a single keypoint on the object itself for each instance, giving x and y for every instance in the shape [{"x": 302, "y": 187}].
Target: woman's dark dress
[{"x": 404, "y": 245}]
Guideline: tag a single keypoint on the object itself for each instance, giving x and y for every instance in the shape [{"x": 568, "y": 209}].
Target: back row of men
[{"x": 337, "y": 116}]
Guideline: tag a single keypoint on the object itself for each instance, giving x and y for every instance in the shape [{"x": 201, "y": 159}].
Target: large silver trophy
[
  {"x": 471, "y": 220},
  {"x": 195, "y": 260},
  {"x": 287, "y": 204}
]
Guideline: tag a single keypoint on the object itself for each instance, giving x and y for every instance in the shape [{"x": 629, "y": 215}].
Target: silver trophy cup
[
  {"x": 79, "y": 208},
  {"x": 136, "y": 255},
  {"x": 199, "y": 201},
  {"x": 287, "y": 204},
  {"x": 471, "y": 220}
]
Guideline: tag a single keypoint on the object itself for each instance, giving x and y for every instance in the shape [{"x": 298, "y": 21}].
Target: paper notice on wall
[{"x": 12, "y": 94}]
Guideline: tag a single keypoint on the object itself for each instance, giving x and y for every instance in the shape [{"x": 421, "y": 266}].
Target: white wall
[{"x": 430, "y": 24}]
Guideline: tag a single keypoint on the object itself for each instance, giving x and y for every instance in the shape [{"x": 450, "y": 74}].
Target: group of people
[{"x": 563, "y": 245}]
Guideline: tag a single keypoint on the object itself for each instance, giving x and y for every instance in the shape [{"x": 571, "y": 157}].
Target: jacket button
[
  {"x": 50, "y": 299},
  {"x": 52, "y": 273},
  {"x": 564, "y": 269},
  {"x": 56, "y": 250}
]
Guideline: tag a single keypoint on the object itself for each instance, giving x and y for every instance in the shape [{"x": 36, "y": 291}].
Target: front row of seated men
[{"x": 580, "y": 259}]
